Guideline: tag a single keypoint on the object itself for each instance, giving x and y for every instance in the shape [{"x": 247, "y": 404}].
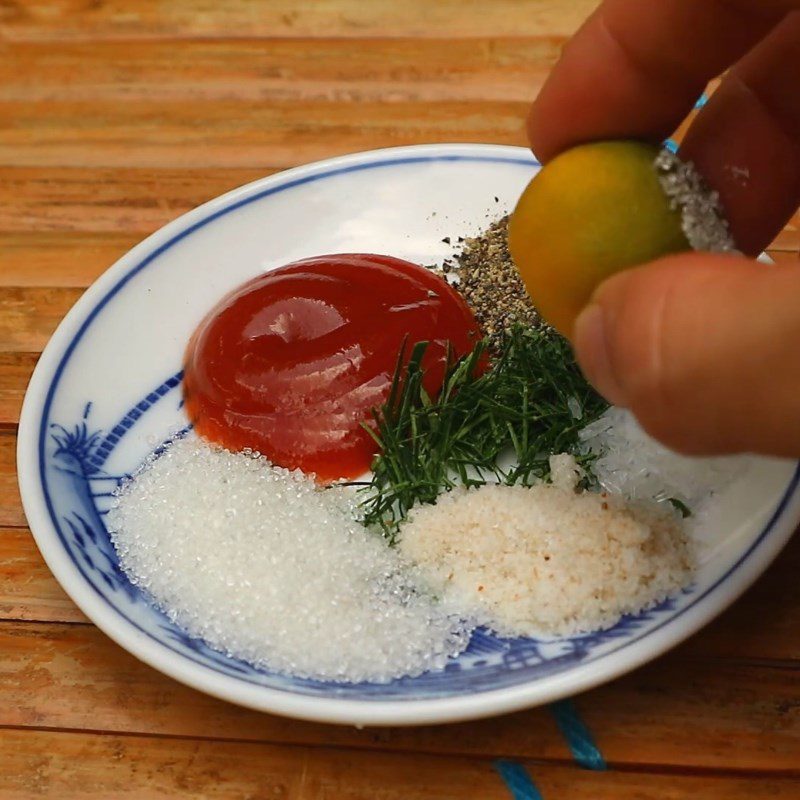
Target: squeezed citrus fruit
[{"x": 592, "y": 211}]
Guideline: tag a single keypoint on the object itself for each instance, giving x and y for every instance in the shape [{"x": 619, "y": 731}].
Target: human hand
[{"x": 704, "y": 349}]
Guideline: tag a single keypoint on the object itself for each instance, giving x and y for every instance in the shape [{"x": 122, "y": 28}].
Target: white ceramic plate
[{"x": 107, "y": 391}]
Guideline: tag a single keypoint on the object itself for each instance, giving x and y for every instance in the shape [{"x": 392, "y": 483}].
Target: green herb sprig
[{"x": 499, "y": 425}]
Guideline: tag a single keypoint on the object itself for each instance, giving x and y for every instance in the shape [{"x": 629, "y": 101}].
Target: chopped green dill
[{"x": 497, "y": 425}]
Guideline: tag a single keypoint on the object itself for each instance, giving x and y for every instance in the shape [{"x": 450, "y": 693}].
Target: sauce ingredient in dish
[
  {"x": 490, "y": 283},
  {"x": 497, "y": 426},
  {"x": 262, "y": 564},
  {"x": 627, "y": 461},
  {"x": 293, "y": 362},
  {"x": 545, "y": 560}
]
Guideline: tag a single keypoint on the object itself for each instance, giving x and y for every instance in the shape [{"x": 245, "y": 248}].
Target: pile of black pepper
[{"x": 489, "y": 281}]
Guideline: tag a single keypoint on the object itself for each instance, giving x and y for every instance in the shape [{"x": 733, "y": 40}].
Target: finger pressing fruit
[{"x": 603, "y": 207}]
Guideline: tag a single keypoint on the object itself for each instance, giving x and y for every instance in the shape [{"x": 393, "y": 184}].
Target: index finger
[{"x": 636, "y": 68}]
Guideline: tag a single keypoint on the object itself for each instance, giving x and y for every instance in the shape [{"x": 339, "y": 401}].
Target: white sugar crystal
[
  {"x": 265, "y": 566},
  {"x": 633, "y": 464}
]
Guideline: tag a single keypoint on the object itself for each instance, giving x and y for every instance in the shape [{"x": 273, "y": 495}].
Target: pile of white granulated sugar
[
  {"x": 546, "y": 560},
  {"x": 264, "y": 566}
]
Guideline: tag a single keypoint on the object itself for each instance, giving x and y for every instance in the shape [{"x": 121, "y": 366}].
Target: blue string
[
  {"x": 578, "y": 736},
  {"x": 517, "y": 780},
  {"x": 701, "y": 101}
]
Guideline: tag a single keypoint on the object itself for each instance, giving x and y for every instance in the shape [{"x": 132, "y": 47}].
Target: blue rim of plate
[{"x": 229, "y": 207}]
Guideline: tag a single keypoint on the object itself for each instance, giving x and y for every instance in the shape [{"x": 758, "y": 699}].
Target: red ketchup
[{"x": 292, "y": 362}]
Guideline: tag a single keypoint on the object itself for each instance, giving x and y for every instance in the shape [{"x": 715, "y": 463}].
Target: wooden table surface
[{"x": 115, "y": 117}]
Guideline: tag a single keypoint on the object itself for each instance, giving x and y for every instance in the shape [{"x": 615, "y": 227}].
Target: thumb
[{"x": 703, "y": 349}]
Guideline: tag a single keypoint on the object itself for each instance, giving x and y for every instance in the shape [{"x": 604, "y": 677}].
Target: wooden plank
[
  {"x": 100, "y": 209},
  {"x": 143, "y": 133},
  {"x": 81, "y": 766},
  {"x": 84, "y": 681},
  {"x": 696, "y": 713},
  {"x": 46, "y": 20},
  {"x": 788, "y": 257},
  {"x": 65, "y": 256},
  {"x": 31, "y": 314},
  {"x": 60, "y": 258},
  {"x": 764, "y": 622},
  {"x": 35, "y": 200},
  {"x": 15, "y": 372},
  {"x": 10, "y": 504},
  {"x": 28, "y": 591},
  {"x": 789, "y": 238},
  {"x": 74, "y": 259},
  {"x": 71, "y": 765},
  {"x": 35, "y": 203},
  {"x": 293, "y": 69}
]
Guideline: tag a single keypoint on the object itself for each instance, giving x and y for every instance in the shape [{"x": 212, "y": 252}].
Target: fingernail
[{"x": 591, "y": 348}]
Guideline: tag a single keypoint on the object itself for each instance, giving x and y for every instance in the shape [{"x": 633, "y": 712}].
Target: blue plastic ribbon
[
  {"x": 578, "y": 736},
  {"x": 517, "y": 780}
]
